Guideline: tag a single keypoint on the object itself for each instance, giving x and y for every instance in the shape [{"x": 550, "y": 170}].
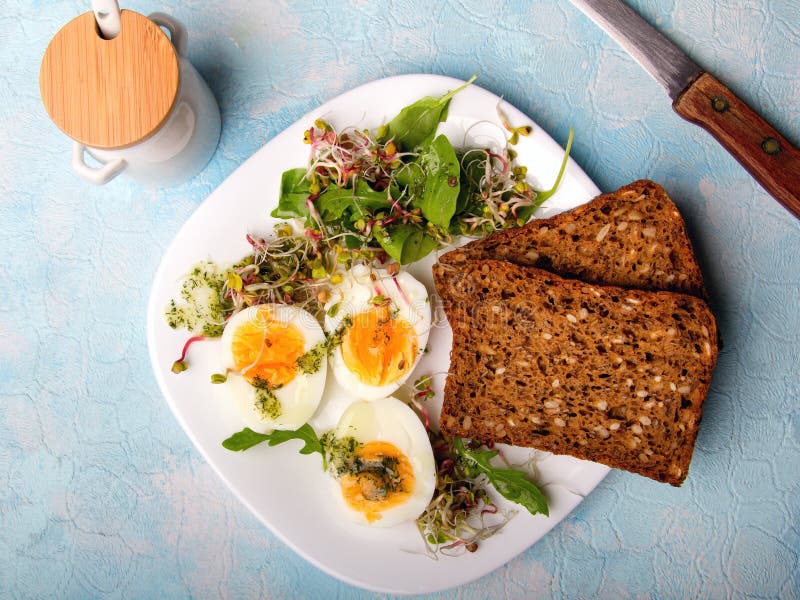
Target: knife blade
[{"x": 698, "y": 97}]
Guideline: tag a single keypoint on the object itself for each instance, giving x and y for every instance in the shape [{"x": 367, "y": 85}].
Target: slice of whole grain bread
[
  {"x": 602, "y": 373},
  {"x": 634, "y": 237}
]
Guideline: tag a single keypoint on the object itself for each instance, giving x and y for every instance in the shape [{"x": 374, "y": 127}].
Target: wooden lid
[{"x": 109, "y": 93}]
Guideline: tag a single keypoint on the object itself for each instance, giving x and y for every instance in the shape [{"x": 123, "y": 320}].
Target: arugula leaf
[
  {"x": 405, "y": 243},
  {"x": 510, "y": 483},
  {"x": 525, "y": 213},
  {"x": 416, "y": 124},
  {"x": 244, "y": 439},
  {"x": 305, "y": 433},
  {"x": 334, "y": 201},
  {"x": 294, "y": 193},
  {"x": 440, "y": 194},
  {"x": 247, "y": 438}
]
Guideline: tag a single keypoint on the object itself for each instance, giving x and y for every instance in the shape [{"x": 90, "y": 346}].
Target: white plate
[{"x": 288, "y": 491}]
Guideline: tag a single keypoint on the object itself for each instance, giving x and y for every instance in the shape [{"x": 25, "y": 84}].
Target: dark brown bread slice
[
  {"x": 634, "y": 237},
  {"x": 602, "y": 373}
]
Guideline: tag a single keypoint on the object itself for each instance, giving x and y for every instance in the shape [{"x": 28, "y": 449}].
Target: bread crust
[{"x": 602, "y": 373}]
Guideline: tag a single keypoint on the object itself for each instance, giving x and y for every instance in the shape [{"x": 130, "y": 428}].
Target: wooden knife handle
[{"x": 759, "y": 148}]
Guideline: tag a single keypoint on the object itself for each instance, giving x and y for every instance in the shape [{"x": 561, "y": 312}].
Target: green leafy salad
[
  {"x": 403, "y": 189},
  {"x": 380, "y": 199}
]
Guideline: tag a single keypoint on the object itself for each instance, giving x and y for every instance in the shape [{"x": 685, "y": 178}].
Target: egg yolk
[
  {"x": 380, "y": 478},
  {"x": 267, "y": 349},
  {"x": 378, "y": 348}
]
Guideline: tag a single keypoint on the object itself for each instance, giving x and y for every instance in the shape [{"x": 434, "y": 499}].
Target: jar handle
[
  {"x": 177, "y": 32},
  {"x": 100, "y": 175}
]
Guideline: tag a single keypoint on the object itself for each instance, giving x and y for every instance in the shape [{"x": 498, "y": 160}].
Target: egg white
[
  {"x": 390, "y": 420},
  {"x": 353, "y": 295},
  {"x": 300, "y": 397}
]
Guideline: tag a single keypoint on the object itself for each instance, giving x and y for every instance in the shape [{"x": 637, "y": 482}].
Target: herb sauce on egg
[{"x": 202, "y": 309}]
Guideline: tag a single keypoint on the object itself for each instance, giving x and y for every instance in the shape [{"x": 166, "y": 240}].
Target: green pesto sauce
[
  {"x": 339, "y": 452},
  {"x": 267, "y": 402},
  {"x": 200, "y": 308},
  {"x": 335, "y": 338},
  {"x": 311, "y": 362}
]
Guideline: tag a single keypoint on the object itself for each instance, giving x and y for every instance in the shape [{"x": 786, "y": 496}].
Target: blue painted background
[{"x": 102, "y": 494}]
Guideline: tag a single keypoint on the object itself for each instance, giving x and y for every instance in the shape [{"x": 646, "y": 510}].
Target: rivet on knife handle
[{"x": 765, "y": 153}]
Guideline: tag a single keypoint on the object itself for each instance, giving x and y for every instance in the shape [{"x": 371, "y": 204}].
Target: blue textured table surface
[{"x": 101, "y": 492}]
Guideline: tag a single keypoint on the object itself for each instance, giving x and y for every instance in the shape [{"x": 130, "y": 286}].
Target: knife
[{"x": 700, "y": 98}]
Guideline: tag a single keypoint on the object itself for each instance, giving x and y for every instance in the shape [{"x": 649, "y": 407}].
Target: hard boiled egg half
[
  {"x": 380, "y": 324},
  {"x": 276, "y": 361},
  {"x": 383, "y": 463}
]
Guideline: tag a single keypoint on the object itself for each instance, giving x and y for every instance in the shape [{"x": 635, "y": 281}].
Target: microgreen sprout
[
  {"x": 219, "y": 378},
  {"x": 290, "y": 268},
  {"x": 180, "y": 365},
  {"x": 341, "y": 158},
  {"x": 461, "y": 513},
  {"x": 501, "y": 196},
  {"x": 379, "y": 300},
  {"x": 523, "y": 130},
  {"x": 422, "y": 388}
]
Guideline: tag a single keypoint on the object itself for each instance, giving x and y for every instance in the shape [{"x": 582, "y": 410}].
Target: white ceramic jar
[
  {"x": 172, "y": 146},
  {"x": 181, "y": 147}
]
